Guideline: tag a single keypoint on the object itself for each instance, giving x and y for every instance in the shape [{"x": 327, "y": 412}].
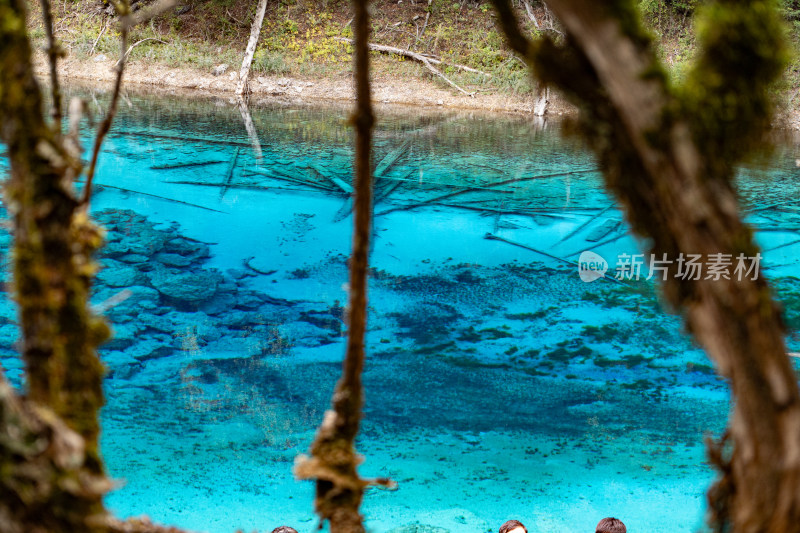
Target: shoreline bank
[{"x": 421, "y": 93}]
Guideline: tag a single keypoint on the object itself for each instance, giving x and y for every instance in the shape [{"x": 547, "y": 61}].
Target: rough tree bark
[
  {"x": 52, "y": 247},
  {"x": 333, "y": 458},
  {"x": 51, "y": 476},
  {"x": 255, "y": 31},
  {"x": 669, "y": 154}
]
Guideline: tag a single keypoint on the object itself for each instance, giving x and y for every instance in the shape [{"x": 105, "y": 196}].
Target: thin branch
[
  {"x": 53, "y": 53},
  {"x": 427, "y": 17},
  {"x": 94, "y": 45},
  {"x": 427, "y": 63},
  {"x": 134, "y": 45},
  {"x": 422, "y": 58},
  {"x": 334, "y": 461},
  {"x": 123, "y": 11},
  {"x": 531, "y": 16}
]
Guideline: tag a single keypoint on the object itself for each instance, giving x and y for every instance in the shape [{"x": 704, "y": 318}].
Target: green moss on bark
[{"x": 53, "y": 244}]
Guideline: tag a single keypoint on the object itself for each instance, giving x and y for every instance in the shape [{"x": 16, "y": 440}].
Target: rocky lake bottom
[{"x": 499, "y": 384}]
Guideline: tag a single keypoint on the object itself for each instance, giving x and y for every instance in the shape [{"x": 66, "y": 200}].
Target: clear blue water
[{"x": 499, "y": 385}]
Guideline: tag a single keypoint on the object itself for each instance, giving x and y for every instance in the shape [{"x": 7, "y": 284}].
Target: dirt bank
[{"x": 386, "y": 89}]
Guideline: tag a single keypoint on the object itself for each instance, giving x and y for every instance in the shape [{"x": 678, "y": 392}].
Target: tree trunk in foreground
[
  {"x": 255, "y": 31},
  {"x": 53, "y": 243},
  {"x": 668, "y": 155},
  {"x": 333, "y": 459},
  {"x": 52, "y": 479}
]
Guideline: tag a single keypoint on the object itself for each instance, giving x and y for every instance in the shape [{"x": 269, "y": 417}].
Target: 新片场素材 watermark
[{"x": 719, "y": 266}]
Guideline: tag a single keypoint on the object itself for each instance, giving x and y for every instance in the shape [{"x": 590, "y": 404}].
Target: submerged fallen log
[
  {"x": 280, "y": 176},
  {"x": 496, "y": 211},
  {"x": 491, "y": 187},
  {"x": 582, "y": 226},
  {"x": 391, "y": 158},
  {"x": 772, "y": 206},
  {"x": 387, "y": 191},
  {"x": 791, "y": 229},
  {"x": 229, "y": 174},
  {"x": 219, "y": 184},
  {"x": 176, "y": 138},
  {"x": 186, "y": 165},
  {"x": 346, "y": 187},
  {"x": 784, "y": 245},
  {"x": 492, "y": 237},
  {"x": 599, "y": 244},
  {"x": 101, "y": 186}
]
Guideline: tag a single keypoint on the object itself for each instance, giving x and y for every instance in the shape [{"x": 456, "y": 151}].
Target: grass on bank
[{"x": 299, "y": 38}]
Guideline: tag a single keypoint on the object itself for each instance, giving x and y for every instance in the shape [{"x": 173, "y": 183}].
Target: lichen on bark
[{"x": 52, "y": 272}]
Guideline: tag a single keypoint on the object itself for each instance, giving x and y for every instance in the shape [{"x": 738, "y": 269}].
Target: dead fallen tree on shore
[{"x": 425, "y": 60}]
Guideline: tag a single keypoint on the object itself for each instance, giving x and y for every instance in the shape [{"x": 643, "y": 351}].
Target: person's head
[
  {"x": 513, "y": 526},
  {"x": 610, "y": 525},
  {"x": 284, "y": 529}
]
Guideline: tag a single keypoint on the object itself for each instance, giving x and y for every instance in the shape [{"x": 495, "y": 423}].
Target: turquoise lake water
[{"x": 498, "y": 384}]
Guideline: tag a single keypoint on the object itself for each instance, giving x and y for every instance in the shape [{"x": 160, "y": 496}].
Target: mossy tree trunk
[
  {"x": 52, "y": 477},
  {"x": 668, "y": 154},
  {"x": 53, "y": 244}
]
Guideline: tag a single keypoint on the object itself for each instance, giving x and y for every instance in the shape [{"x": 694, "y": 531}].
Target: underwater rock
[
  {"x": 148, "y": 349},
  {"x": 116, "y": 248},
  {"x": 228, "y": 285},
  {"x": 185, "y": 288},
  {"x": 323, "y": 320},
  {"x": 116, "y": 274},
  {"x": 146, "y": 240},
  {"x": 162, "y": 323},
  {"x": 234, "y": 348},
  {"x": 239, "y": 273},
  {"x": 134, "y": 258},
  {"x": 116, "y": 358},
  {"x": 141, "y": 297},
  {"x": 221, "y": 303},
  {"x": 425, "y": 322},
  {"x": 173, "y": 260},
  {"x": 126, "y": 371},
  {"x": 187, "y": 248},
  {"x": 8, "y": 310},
  {"x": 248, "y": 301},
  {"x": 310, "y": 336},
  {"x": 206, "y": 327},
  {"x": 593, "y": 409},
  {"x": 124, "y": 335},
  {"x": 236, "y": 319}
]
